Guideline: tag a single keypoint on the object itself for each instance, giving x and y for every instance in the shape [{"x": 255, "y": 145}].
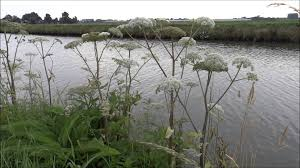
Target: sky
[{"x": 123, "y": 10}]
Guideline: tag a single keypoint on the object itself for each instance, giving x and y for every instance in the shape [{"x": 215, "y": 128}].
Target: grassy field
[{"x": 264, "y": 30}]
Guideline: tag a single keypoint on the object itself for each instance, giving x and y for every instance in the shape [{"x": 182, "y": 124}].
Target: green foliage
[
  {"x": 280, "y": 30},
  {"x": 172, "y": 32},
  {"x": 50, "y": 136}
]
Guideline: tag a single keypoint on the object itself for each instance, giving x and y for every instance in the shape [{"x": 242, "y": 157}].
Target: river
[{"x": 277, "y": 92}]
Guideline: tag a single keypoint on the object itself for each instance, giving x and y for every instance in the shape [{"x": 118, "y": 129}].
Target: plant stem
[
  {"x": 11, "y": 73},
  {"x": 46, "y": 73},
  {"x": 203, "y": 151},
  {"x": 172, "y": 161}
]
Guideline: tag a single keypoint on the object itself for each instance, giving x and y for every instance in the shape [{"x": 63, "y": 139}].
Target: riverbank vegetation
[
  {"x": 277, "y": 30},
  {"x": 93, "y": 125}
]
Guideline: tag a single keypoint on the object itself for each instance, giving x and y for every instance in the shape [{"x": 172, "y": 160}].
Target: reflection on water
[{"x": 277, "y": 93}]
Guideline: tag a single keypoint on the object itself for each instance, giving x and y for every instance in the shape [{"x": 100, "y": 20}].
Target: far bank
[{"x": 252, "y": 31}]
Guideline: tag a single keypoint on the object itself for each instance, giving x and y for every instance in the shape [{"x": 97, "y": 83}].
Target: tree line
[{"x": 34, "y": 18}]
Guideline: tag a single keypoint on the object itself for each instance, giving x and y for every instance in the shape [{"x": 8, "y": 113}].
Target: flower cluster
[
  {"x": 242, "y": 61},
  {"x": 216, "y": 111},
  {"x": 183, "y": 62},
  {"x": 140, "y": 23},
  {"x": 114, "y": 44},
  {"x": 212, "y": 63},
  {"x": 129, "y": 46},
  {"x": 94, "y": 36},
  {"x": 204, "y": 21},
  {"x": 115, "y": 32},
  {"x": 252, "y": 76},
  {"x": 193, "y": 57},
  {"x": 169, "y": 84},
  {"x": 127, "y": 63},
  {"x": 122, "y": 26},
  {"x": 217, "y": 108},
  {"x": 38, "y": 39},
  {"x": 169, "y": 132},
  {"x": 104, "y": 34},
  {"x": 187, "y": 41},
  {"x": 191, "y": 84},
  {"x": 73, "y": 44}
]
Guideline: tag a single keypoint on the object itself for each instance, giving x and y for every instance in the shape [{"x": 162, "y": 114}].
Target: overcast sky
[{"x": 151, "y": 9}]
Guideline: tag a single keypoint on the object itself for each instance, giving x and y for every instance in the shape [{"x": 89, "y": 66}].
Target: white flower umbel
[
  {"x": 38, "y": 39},
  {"x": 242, "y": 61},
  {"x": 217, "y": 108},
  {"x": 217, "y": 111},
  {"x": 115, "y": 32},
  {"x": 191, "y": 84},
  {"x": 94, "y": 36},
  {"x": 129, "y": 46},
  {"x": 204, "y": 21},
  {"x": 183, "y": 62},
  {"x": 140, "y": 23},
  {"x": 212, "y": 63},
  {"x": 122, "y": 26},
  {"x": 104, "y": 34},
  {"x": 127, "y": 63},
  {"x": 187, "y": 41},
  {"x": 169, "y": 84},
  {"x": 193, "y": 57},
  {"x": 169, "y": 132},
  {"x": 73, "y": 44},
  {"x": 114, "y": 44},
  {"x": 252, "y": 76}
]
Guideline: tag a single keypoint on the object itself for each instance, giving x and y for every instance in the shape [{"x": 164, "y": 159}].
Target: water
[{"x": 275, "y": 108}]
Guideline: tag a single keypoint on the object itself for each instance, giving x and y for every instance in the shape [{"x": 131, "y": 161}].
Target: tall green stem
[
  {"x": 11, "y": 73},
  {"x": 203, "y": 150},
  {"x": 46, "y": 73}
]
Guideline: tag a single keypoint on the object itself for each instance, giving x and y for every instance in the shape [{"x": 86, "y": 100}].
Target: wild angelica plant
[
  {"x": 162, "y": 29},
  {"x": 30, "y": 75},
  {"x": 39, "y": 42},
  {"x": 94, "y": 38},
  {"x": 10, "y": 62},
  {"x": 214, "y": 63},
  {"x": 132, "y": 68},
  {"x": 211, "y": 63}
]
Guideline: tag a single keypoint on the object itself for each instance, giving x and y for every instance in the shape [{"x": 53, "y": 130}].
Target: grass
[
  {"x": 281, "y": 30},
  {"x": 44, "y": 136}
]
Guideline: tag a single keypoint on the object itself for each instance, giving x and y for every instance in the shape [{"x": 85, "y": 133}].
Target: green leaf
[
  {"x": 98, "y": 146},
  {"x": 67, "y": 128}
]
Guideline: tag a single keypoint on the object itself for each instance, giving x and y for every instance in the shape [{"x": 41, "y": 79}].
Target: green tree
[
  {"x": 32, "y": 18},
  {"x": 48, "y": 19}
]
